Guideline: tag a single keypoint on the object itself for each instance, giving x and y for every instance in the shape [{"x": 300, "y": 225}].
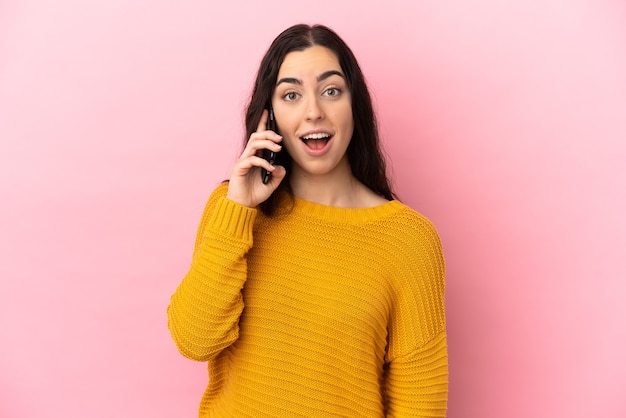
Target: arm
[
  {"x": 204, "y": 311},
  {"x": 416, "y": 378},
  {"x": 417, "y": 384}
]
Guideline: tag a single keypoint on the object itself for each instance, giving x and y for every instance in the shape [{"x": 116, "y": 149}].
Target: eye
[
  {"x": 332, "y": 92},
  {"x": 290, "y": 96}
]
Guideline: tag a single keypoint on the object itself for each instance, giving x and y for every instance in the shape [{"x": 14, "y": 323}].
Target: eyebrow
[{"x": 321, "y": 77}]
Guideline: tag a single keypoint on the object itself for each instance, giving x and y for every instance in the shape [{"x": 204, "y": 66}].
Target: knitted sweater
[{"x": 316, "y": 311}]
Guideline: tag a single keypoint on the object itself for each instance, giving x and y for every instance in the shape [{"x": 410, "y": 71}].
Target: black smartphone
[{"x": 270, "y": 156}]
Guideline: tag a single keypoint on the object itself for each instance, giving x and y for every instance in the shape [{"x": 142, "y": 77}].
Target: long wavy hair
[{"x": 364, "y": 153}]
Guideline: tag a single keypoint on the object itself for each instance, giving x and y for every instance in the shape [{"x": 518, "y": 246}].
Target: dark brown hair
[{"x": 364, "y": 153}]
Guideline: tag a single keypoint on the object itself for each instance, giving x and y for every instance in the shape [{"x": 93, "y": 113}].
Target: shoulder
[
  {"x": 412, "y": 240},
  {"x": 412, "y": 225}
]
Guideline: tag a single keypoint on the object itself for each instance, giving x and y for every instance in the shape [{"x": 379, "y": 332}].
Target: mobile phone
[{"x": 269, "y": 155}]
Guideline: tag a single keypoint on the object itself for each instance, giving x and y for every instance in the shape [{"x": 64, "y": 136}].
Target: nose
[{"x": 314, "y": 110}]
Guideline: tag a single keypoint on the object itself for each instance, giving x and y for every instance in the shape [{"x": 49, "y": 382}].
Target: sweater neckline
[{"x": 344, "y": 215}]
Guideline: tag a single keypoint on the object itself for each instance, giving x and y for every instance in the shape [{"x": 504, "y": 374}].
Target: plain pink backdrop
[{"x": 505, "y": 123}]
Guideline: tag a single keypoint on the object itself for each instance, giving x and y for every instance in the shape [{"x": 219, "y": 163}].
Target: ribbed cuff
[{"x": 233, "y": 219}]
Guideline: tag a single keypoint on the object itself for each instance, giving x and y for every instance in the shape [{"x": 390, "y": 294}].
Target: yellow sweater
[{"x": 315, "y": 312}]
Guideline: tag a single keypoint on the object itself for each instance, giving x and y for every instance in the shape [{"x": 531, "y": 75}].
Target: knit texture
[{"x": 315, "y": 312}]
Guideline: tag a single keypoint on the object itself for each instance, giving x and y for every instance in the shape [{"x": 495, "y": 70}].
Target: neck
[{"x": 338, "y": 188}]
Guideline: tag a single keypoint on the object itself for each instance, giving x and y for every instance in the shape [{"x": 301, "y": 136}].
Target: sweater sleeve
[
  {"x": 204, "y": 310},
  {"x": 416, "y": 381},
  {"x": 417, "y": 384}
]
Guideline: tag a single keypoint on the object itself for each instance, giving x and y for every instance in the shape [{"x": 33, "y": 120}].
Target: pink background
[{"x": 505, "y": 122}]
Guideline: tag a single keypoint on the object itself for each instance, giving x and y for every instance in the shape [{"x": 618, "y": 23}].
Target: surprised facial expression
[{"x": 313, "y": 109}]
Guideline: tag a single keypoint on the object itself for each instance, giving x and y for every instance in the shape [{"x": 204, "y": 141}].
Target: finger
[
  {"x": 262, "y": 126},
  {"x": 277, "y": 176},
  {"x": 256, "y": 144},
  {"x": 264, "y": 135},
  {"x": 245, "y": 165},
  {"x": 257, "y": 161}
]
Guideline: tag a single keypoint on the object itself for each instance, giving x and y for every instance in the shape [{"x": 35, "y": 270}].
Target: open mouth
[{"x": 316, "y": 141}]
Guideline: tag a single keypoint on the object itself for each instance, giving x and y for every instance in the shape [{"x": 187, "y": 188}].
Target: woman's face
[{"x": 313, "y": 110}]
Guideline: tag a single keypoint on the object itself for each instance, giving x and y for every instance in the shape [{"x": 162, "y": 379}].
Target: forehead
[{"x": 309, "y": 62}]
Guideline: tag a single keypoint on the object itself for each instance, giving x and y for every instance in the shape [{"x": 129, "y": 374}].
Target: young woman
[{"x": 316, "y": 293}]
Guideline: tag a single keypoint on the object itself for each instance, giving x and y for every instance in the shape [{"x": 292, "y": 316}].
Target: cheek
[
  {"x": 347, "y": 120},
  {"x": 286, "y": 115},
  {"x": 345, "y": 112},
  {"x": 284, "y": 123}
]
